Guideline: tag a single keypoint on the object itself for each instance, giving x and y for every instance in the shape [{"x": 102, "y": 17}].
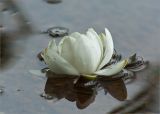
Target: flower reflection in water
[{"x": 81, "y": 90}]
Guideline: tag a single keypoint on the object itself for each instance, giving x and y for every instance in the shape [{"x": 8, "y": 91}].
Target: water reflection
[
  {"x": 5, "y": 50},
  {"x": 11, "y": 48},
  {"x": 81, "y": 90},
  {"x": 13, "y": 26}
]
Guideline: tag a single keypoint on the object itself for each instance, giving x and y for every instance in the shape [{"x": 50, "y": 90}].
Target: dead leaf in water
[{"x": 115, "y": 87}]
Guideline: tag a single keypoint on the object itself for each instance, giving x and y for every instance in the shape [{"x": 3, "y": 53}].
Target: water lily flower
[{"x": 83, "y": 54}]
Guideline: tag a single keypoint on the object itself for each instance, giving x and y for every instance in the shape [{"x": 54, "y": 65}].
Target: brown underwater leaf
[
  {"x": 59, "y": 87},
  {"x": 115, "y": 87},
  {"x": 85, "y": 96},
  {"x": 85, "y": 92}
]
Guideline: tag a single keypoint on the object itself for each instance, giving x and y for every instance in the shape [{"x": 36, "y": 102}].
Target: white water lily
[{"x": 83, "y": 54}]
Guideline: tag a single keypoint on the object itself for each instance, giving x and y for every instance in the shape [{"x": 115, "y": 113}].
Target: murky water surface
[{"x": 135, "y": 27}]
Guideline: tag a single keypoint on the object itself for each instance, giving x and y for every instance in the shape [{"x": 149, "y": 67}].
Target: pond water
[{"x": 134, "y": 25}]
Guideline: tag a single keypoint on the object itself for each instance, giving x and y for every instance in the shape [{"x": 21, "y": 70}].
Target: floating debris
[
  {"x": 19, "y": 90},
  {"x": 53, "y": 1},
  {"x": 57, "y": 31},
  {"x": 39, "y": 56},
  {"x": 1, "y": 90},
  {"x": 45, "y": 96}
]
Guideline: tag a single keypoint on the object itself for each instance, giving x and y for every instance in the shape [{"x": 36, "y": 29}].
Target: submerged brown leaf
[
  {"x": 59, "y": 87},
  {"x": 115, "y": 87},
  {"x": 85, "y": 92},
  {"x": 85, "y": 97}
]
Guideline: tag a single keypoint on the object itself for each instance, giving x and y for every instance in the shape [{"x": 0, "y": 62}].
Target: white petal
[
  {"x": 95, "y": 37},
  {"x": 112, "y": 69},
  {"x": 79, "y": 51},
  {"x": 56, "y": 63},
  {"x": 96, "y": 40},
  {"x": 108, "y": 48},
  {"x": 52, "y": 46}
]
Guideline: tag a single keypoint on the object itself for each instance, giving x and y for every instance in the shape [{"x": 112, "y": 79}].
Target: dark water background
[{"x": 135, "y": 27}]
